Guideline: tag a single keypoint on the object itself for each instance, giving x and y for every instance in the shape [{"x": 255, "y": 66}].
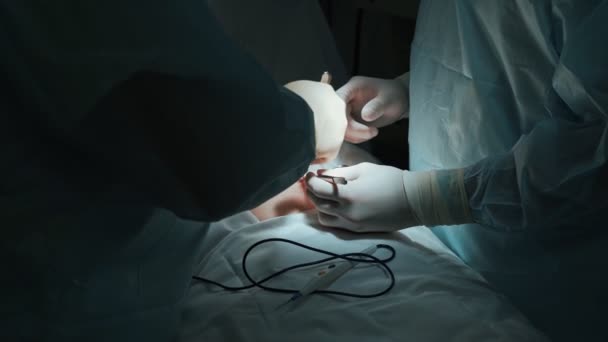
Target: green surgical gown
[{"x": 124, "y": 127}]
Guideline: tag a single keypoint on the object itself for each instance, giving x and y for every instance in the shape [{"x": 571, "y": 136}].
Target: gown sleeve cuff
[{"x": 438, "y": 197}]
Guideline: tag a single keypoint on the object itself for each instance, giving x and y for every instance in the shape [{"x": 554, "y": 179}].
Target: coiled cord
[{"x": 354, "y": 257}]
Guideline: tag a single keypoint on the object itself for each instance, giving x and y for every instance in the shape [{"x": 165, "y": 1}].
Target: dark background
[
  {"x": 299, "y": 39},
  {"x": 373, "y": 38}
]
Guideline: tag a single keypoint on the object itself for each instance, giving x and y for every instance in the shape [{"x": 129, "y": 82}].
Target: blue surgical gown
[
  {"x": 124, "y": 126},
  {"x": 515, "y": 92}
]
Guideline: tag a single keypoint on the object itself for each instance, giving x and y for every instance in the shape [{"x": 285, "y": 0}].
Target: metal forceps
[{"x": 334, "y": 180}]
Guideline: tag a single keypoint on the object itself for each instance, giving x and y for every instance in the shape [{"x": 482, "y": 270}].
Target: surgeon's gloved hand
[
  {"x": 383, "y": 198},
  {"x": 373, "y": 103},
  {"x": 373, "y": 200},
  {"x": 329, "y": 116}
]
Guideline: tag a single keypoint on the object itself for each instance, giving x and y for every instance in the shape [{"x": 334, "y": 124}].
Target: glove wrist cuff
[
  {"x": 438, "y": 197},
  {"x": 404, "y": 79}
]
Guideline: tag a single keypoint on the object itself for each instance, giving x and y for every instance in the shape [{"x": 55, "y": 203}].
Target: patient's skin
[
  {"x": 291, "y": 200},
  {"x": 294, "y": 199}
]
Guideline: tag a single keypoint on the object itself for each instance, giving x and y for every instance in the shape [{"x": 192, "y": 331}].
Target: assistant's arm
[{"x": 555, "y": 176}]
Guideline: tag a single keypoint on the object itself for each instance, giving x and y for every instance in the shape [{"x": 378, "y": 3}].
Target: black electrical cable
[{"x": 355, "y": 257}]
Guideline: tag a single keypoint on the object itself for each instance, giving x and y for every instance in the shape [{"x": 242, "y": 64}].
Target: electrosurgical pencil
[{"x": 327, "y": 276}]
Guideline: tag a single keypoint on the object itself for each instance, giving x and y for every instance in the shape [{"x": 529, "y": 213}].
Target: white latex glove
[
  {"x": 329, "y": 115},
  {"x": 383, "y": 198},
  {"x": 373, "y": 200},
  {"x": 373, "y": 103}
]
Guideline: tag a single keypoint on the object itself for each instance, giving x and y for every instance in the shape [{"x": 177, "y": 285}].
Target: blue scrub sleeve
[
  {"x": 555, "y": 176},
  {"x": 157, "y": 100}
]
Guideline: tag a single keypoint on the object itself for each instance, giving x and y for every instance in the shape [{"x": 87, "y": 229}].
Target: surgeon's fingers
[
  {"x": 329, "y": 190},
  {"x": 356, "y": 93},
  {"x": 336, "y": 221},
  {"x": 328, "y": 220},
  {"x": 373, "y": 110},
  {"x": 325, "y": 189},
  {"x": 323, "y": 205},
  {"x": 348, "y": 91},
  {"x": 357, "y": 132}
]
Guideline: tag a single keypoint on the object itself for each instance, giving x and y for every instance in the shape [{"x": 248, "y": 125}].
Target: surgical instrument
[
  {"x": 353, "y": 257},
  {"x": 327, "y": 276},
  {"x": 335, "y": 180}
]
